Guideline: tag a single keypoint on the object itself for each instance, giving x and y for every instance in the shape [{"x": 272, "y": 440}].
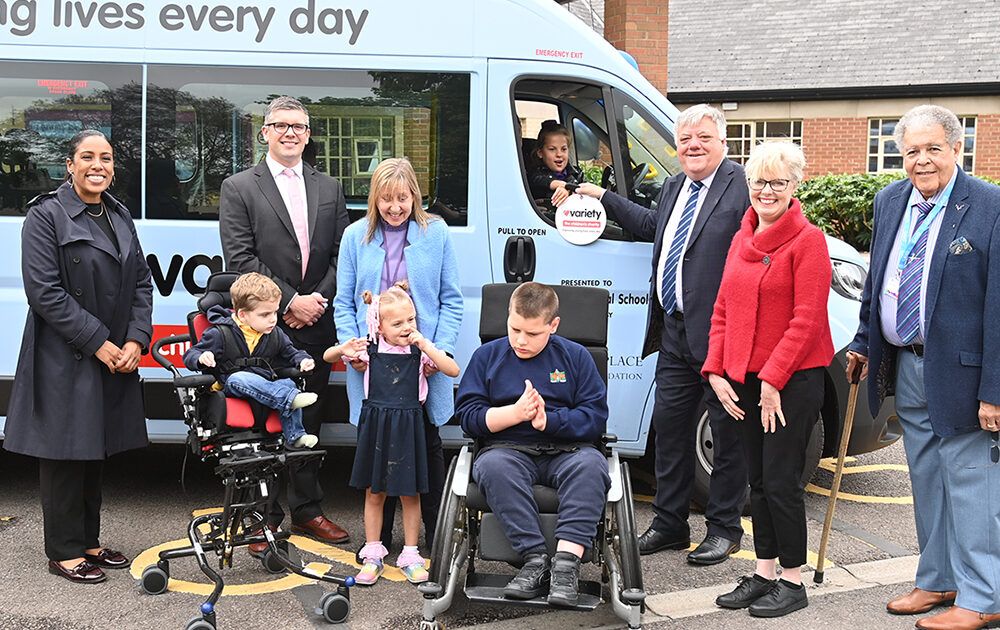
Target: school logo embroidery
[{"x": 557, "y": 377}]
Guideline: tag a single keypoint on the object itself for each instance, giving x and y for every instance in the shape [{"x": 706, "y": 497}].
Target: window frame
[
  {"x": 754, "y": 138},
  {"x": 880, "y": 155}
]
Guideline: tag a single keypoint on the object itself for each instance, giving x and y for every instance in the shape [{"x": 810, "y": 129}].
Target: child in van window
[
  {"x": 539, "y": 404},
  {"x": 391, "y": 458},
  {"x": 553, "y": 177},
  {"x": 244, "y": 348}
]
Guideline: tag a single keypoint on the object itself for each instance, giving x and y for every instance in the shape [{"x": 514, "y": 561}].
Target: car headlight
[{"x": 848, "y": 279}]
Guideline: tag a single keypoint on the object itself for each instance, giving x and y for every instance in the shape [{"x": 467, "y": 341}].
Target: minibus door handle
[{"x": 519, "y": 259}]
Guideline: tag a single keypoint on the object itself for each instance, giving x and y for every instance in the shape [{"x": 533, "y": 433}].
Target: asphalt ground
[{"x": 145, "y": 506}]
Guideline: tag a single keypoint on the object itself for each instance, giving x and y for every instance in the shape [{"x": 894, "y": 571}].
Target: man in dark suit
[
  {"x": 284, "y": 219},
  {"x": 697, "y": 213},
  {"x": 929, "y": 330}
]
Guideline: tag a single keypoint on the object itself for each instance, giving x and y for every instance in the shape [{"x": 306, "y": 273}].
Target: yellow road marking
[
  {"x": 830, "y": 464},
  {"x": 858, "y": 498},
  {"x": 7, "y": 519}
]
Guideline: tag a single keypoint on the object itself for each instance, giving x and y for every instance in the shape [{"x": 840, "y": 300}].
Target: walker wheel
[
  {"x": 334, "y": 607},
  {"x": 154, "y": 580},
  {"x": 431, "y": 625},
  {"x": 271, "y": 562},
  {"x": 198, "y": 624}
]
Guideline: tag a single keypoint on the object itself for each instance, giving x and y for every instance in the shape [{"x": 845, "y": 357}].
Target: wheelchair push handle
[{"x": 166, "y": 341}]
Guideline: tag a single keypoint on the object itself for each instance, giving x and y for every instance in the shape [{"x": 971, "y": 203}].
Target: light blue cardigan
[{"x": 432, "y": 273}]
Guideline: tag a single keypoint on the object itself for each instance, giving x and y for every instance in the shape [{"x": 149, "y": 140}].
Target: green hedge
[{"x": 841, "y": 205}]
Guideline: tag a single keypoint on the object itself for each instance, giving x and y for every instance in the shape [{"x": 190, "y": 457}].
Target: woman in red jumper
[{"x": 768, "y": 347}]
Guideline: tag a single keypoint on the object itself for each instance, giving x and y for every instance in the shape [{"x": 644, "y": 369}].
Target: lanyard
[{"x": 910, "y": 240}]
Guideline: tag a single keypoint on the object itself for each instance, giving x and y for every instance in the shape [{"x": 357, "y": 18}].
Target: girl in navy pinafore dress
[{"x": 391, "y": 458}]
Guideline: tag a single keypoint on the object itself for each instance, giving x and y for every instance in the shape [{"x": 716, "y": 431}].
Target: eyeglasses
[
  {"x": 995, "y": 446},
  {"x": 777, "y": 185},
  {"x": 282, "y": 127}
]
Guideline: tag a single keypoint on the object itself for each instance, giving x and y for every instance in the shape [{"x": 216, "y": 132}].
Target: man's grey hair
[
  {"x": 284, "y": 102},
  {"x": 693, "y": 115},
  {"x": 924, "y": 115}
]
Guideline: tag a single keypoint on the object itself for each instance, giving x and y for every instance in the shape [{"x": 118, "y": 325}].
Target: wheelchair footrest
[{"x": 488, "y": 588}]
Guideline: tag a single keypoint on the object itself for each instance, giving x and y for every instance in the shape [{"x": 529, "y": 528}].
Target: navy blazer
[
  {"x": 962, "y": 309},
  {"x": 718, "y": 220}
]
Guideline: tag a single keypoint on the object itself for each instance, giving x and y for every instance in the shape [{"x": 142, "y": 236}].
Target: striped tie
[
  {"x": 908, "y": 304},
  {"x": 668, "y": 289}
]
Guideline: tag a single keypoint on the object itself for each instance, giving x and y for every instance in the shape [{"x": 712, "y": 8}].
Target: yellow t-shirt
[{"x": 252, "y": 338}]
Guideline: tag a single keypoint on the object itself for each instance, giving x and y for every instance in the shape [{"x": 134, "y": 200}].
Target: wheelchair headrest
[
  {"x": 583, "y": 313},
  {"x": 217, "y": 290}
]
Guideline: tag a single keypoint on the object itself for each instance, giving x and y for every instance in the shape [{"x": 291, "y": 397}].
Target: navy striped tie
[
  {"x": 669, "y": 287},
  {"x": 908, "y": 304}
]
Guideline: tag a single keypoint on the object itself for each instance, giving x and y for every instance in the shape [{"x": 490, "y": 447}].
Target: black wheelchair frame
[{"x": 248, "y": 462}]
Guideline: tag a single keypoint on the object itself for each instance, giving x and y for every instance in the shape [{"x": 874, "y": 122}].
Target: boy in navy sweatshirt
[{"x": 539, "y": 405}]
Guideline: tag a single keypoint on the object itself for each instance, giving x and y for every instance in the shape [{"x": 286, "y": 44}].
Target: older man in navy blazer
[
  {"x": 696, "y": 216},
  {"x": 930, "y": 330}
]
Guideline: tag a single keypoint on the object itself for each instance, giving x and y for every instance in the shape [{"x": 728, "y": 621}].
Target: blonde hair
[
  {"x": 395, "y": 294},
  {"x": 250, "y": 289},
  {"x": 389, "y": 175},
  {"x": 774, "y": 158}
]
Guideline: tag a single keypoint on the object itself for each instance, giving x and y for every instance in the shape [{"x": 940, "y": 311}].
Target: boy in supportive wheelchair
[
  {"x": 539, "y": 405},
  {"x": 243, "y": 348}
]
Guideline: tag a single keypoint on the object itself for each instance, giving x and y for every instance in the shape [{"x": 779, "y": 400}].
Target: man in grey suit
[
  {"x": 284, "y": 219},
  {"x": 929, "y": 332},
  {"x": 697, "y": 213}
]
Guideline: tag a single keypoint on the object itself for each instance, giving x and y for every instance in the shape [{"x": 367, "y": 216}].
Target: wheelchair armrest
[
  {"x": 605, "y": 443},
  {"x": 289, "y": 372},
  {"x": 194, "y": 380}
]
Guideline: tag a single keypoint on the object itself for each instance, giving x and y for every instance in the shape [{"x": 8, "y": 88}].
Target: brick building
[{"x": 834, "y": 76}]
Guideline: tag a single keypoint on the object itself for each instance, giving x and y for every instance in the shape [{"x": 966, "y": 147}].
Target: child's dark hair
[
  {"x": 534, "y": 299},
  {"x": 250, "y": 289},
  {"x": 550, "y": 127}
]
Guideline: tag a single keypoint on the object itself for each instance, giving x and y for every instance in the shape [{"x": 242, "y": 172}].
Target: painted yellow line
[
  {"x": 831, "y": 465},
  {"x": 858, "y": 498},
  {"x": 7, "y": 519}
]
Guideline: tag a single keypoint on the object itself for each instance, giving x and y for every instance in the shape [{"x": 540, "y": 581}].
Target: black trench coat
[{"x": 81, "y": 292}]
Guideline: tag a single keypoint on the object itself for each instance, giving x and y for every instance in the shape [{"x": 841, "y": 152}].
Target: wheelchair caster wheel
[
  {"x": 198, "y": 624},
  {"x": 334, "y": 607},
  {"x": 154, "y": 580},
  {"x": 431, "y": 625},
  {"x": 271, "y": 562}
]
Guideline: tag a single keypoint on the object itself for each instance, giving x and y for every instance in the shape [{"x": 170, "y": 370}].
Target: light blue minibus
[{"x": 458, "y": 87}]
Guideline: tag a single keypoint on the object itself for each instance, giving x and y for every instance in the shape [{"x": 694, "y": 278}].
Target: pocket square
[{"x": 959, "y": 246}]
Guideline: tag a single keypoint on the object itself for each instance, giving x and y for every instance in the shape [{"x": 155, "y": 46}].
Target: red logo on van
[{"x": 174, "y": 352}]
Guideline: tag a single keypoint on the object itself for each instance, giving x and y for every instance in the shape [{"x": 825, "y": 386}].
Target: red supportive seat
[{"x": 240, "y": 416}]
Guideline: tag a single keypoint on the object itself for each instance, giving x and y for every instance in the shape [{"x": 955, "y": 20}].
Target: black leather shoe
[
  {"x": 532, "y": 580},
  {"x": 108, "y": 559},
  {"x": 83, "y": 573},
  {"x": 750, "y": 589},
  {"x": 652, "y": 541},
  {"x": 713, "y": 550},
  {"x": 565, "y": 589},
  {"x": 782, "y": 599}
]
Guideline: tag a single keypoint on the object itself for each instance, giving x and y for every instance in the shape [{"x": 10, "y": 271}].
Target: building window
[
  {"x": 742, "y": 136},
  {"x": 884, "y": 155}
]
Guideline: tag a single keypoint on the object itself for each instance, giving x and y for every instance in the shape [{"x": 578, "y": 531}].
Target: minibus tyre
[
  {"x": 443, "y": 547},
  {"x": 703, "y": 458}
]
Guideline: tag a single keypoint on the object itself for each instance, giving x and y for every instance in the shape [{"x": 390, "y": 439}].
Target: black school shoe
[
  {"x": 565, "y": 589},
  {"x": 783, "y": 598},
  {"x": 532, "y": 580},
  {"x": 750, "y": 589}
]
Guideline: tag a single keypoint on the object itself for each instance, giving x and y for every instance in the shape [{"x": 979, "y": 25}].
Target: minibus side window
[
  {"x": 647, "y": 148},
  {"x": 203, "y": 125},
  {"x": 43, "y": 105}
]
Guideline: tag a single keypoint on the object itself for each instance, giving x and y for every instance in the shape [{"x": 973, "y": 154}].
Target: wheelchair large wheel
[
  {"x": 627, "y": 536},
  {"x": 449, "y": 532}
]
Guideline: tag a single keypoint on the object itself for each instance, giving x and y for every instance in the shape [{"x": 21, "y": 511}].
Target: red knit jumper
[{"x": 771, "y": 313}]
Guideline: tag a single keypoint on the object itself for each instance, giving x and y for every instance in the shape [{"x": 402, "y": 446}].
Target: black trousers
[
  {"x": 776, "y": 461},
  {"x": 430, "y": 501},
  {"x": 71, "y": 506},
  {"x": 679, "y": 392},
  {"x": 299, "y": 485}
]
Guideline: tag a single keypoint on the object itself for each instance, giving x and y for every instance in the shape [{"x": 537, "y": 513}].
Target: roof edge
[{"x": 837, "y": 93}]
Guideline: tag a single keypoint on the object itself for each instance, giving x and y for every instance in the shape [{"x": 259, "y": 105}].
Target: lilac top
[
  {"x": 393, "y": 242},
  {"x": 387, "y": 348}
]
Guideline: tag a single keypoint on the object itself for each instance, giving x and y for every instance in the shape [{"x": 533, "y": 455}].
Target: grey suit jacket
[
  {"x": 257, "y": 235},
  {"x": 718, "y": 220}
]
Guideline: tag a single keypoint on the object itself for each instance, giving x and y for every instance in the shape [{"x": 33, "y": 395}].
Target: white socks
[
  {"x": 307, "y": 441},
  {"x": 303, "y": 399}
]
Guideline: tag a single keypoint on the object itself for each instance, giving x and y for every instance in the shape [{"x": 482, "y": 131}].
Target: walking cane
[{"x": 845, "y": 438}]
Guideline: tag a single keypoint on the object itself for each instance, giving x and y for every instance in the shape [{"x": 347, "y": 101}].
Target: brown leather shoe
[
  {"x": 258, "y": 549},
  {"x": 108, "y": 559},
  {"x": 919, "y": 601},
  {"x": 323, "y": 529},
  {"x": 956, "y": 618},
  {"x": 83, "y": 573}
]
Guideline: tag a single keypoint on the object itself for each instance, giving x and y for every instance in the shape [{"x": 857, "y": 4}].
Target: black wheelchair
[
  {"x": 244, "y": 440},
  {"x": 468, "y": 531}
]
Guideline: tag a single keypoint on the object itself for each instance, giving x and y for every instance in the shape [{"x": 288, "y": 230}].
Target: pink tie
[{"x": 298, "y": 214}]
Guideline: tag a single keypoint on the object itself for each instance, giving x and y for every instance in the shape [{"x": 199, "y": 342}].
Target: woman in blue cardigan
[{"x": 398, "y": 240}]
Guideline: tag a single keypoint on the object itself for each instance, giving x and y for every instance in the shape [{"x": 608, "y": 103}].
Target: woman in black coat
[{"x": 76, "y": 397}]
